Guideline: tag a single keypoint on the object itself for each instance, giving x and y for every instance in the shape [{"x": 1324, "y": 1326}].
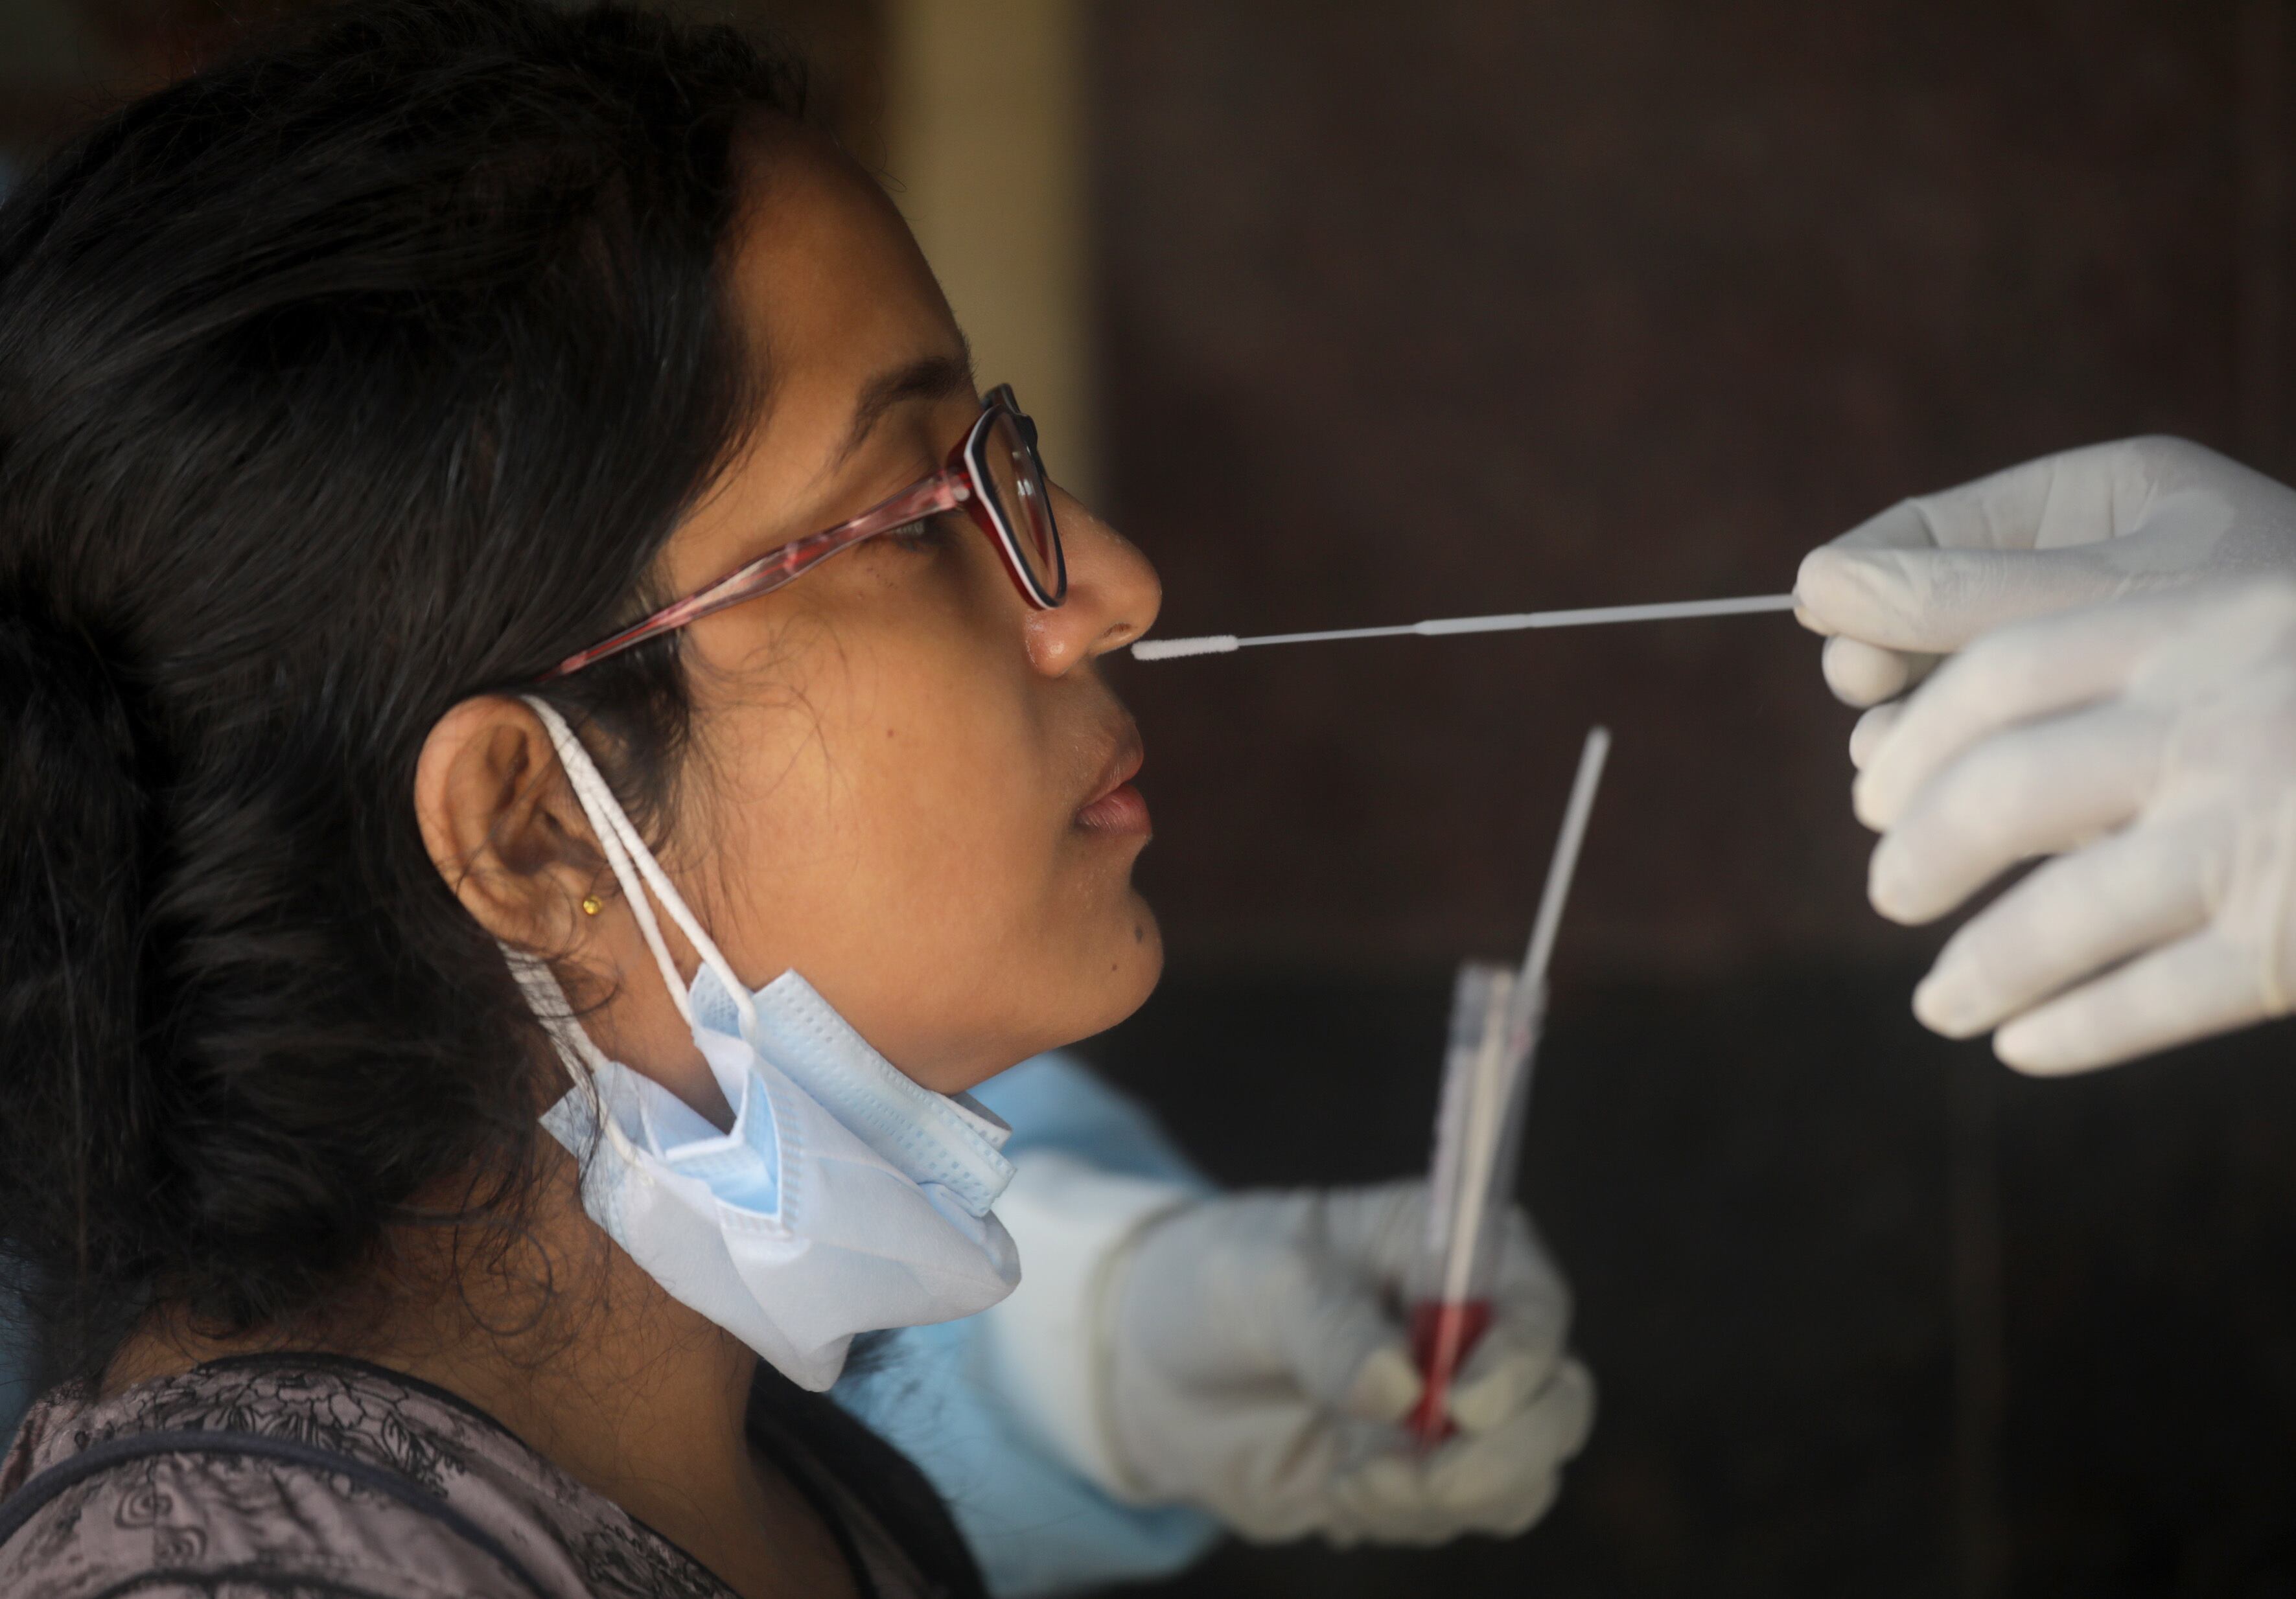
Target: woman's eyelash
[{"x": 927, "y": 529}]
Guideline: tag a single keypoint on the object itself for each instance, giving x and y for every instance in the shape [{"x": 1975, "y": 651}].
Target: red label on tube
[{"x": 1442, "y": 1336}]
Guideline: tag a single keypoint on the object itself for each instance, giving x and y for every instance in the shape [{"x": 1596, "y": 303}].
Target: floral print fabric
[{"x": 251, "y": 1527}]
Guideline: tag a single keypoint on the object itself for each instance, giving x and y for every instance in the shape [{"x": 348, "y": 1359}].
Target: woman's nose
[{"x": 1113, "y": 594}]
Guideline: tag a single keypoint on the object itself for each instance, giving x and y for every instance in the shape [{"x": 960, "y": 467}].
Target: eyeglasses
[{"x": 995, "y": 474}]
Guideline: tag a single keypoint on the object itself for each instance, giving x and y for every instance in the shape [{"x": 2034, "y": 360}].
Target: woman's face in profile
[{"x": 905, "y": 782}]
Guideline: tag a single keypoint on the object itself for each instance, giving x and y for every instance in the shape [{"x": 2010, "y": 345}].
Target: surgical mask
[{"x": 845, "y": 1197}]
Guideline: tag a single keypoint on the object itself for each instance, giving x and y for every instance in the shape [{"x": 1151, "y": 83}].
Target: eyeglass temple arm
[{"x": 945, "y": 490}]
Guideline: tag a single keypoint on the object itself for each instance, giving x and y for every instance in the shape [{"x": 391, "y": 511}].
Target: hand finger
[
  {"x": 2032, "y": 791},
  {"x": 1934, "y": 571},
  {"x": 1904, "y": 526},
  {"x": 1935, "y": 601},
  {"x": 1483, "y": 1469},
  {"x": 1863, "y": 674},
  {"x": 1520, "y": 1352},
  {"x": 2014, "y": 675},
  {"x": 1386, "y": 1388},
  {"x": 1821, "y": 602},
  {"x": 1511, "y": 1363},
  {"x": 2084, "y": 496},
  {"x": 2195, "y": 987},
  {"x": 2073, "y": 917},
  {"x": 2095, "y": 495},
  {"x": 1273, "y": 1467},
  {"x": 1386, "y": 1502},
  {"x": 1872, "y": 729},
  {"x": 1378, "y": 1227},
  {"x": 1499, "y": 1482},
  {"x": 1340, "y": 1346},
  {"x": 1857, "y": 672}
]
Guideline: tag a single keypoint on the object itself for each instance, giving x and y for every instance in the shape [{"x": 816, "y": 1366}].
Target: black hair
[{"x": 364, "y": 372}]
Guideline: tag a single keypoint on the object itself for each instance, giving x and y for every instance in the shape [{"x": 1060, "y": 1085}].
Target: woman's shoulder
[{"x": 309, "y": 1475}]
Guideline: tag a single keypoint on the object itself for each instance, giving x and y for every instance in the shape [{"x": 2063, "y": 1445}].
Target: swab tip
[{"x": 1171, "y": 649}]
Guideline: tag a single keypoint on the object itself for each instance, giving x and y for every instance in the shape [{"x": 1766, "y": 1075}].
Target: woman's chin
[
  {"x": 1138, "y": 965},
  {"x": 1118, "y": 983}
]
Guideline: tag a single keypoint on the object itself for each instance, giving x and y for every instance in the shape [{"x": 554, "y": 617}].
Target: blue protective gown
[{"x": 1034, "y": 1523}]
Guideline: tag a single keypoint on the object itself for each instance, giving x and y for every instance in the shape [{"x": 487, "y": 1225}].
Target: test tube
[
  {"x": 1472, "y": 1180},
  {"x": 1496, "y": 1016}
]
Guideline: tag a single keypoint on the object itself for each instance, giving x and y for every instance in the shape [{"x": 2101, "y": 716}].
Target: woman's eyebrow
[{"x": 932, "y": 378}]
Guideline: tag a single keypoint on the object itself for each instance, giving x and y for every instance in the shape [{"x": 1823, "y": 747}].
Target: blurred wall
[{"x": 986, "y": 154}]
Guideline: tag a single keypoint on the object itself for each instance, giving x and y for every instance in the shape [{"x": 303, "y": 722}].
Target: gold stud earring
[{"x": 592, "y": 905}]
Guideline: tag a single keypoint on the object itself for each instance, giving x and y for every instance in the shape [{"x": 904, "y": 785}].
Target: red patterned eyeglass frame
[{"x": 964, "y": 481}]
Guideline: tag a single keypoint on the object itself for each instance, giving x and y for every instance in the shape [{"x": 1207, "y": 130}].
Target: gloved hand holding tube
[
  {"x": 1256, "y": 1366},
  {"x": 1249, "y": 1354},
  {"x": 2122, "y": 695}
]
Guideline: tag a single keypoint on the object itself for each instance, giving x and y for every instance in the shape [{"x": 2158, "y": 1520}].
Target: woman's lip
[
  {"x": 1121, "y": 809},
  {"x": 1123, "y": 765}
]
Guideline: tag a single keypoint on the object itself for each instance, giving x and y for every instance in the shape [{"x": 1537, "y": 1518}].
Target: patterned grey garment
[{"x": 238, "y": 1528}]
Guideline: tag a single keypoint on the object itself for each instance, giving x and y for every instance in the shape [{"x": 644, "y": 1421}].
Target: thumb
[
  {"x": 1342, "y": 1347},
  {"x": 1933, "y": 602},
  {"x": 1861, "y": 674}
]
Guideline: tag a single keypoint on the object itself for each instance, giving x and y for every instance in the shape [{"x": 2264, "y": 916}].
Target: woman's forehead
[
  {"x": 831, "y": 287},
  {"x": 832, "y": 295}
]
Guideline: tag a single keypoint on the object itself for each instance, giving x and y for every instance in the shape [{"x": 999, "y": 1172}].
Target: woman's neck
[{"x": 564, "y": 1341}]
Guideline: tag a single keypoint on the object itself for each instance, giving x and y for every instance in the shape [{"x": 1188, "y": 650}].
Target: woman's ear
[{"x": 502, "y": 825}]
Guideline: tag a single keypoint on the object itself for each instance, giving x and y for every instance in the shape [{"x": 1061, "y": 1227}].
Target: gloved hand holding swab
[{"x": 1222, "y": 643}]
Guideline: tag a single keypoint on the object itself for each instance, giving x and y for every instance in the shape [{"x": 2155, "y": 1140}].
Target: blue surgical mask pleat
[
  {"x": 952, "y": 1143},
  {"x": 713, "y": 1007},
  {"x": 741, "y": 1168}
]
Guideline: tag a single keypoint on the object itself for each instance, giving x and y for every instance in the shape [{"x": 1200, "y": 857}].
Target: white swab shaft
[
  {"x": 1565, "y": 865},
  {"x": 1500, "y": 1102},
  {"x": 1221, "y": 644}
]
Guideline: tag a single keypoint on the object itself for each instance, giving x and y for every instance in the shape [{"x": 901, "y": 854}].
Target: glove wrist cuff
[{"x": 1048, "y": 1350}]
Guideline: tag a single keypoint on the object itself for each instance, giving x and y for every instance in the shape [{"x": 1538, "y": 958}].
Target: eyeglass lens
[{"x": 1019, "y": 485}]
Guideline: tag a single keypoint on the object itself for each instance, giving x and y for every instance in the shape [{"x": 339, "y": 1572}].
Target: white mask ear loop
[
  {"x": 631, "y": 860},
  {"x": 581, "y": 775},
  {"x": 584, "y": 1061},
  {"x": 550, "y": 1006}
]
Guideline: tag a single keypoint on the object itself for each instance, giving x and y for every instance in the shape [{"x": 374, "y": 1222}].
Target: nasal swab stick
[{"x": 1222, "y": 643}]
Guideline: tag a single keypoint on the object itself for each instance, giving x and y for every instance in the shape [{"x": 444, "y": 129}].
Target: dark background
[{"x": 1411, "y": 310}]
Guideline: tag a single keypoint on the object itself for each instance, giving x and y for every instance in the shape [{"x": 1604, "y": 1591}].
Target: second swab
[
  {"x": 1222, "y": 643},
  {"x": 1496, "y": 1016}
]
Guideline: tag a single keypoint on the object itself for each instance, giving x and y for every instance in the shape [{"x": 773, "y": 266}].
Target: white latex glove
[
  {"x": 1255, "y": 1367},
  {"x": 1927, "y": 575},
  {"x": 2151, "y": 744}
]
